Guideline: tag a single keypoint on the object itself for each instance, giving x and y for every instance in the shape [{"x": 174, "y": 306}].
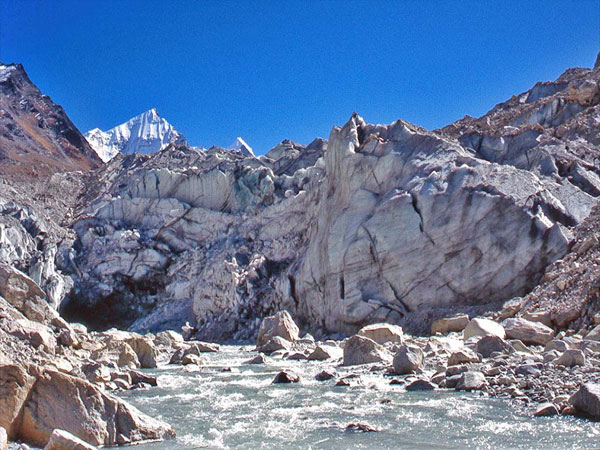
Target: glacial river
[{"x": 241, "y": 409}]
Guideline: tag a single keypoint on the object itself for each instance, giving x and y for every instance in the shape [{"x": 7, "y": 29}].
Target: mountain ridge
[{"x": 36, "y": 135}]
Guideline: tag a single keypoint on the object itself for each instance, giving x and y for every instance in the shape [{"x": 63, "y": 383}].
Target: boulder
[
  {"x": 274, "y": 344},
  {"x": 168, "y": 338},
  {"x": 546, "y": 410},
  {"x": 544, "y": 317},
  {"x": 280, "y": 325},
  {"x": 24, "y": 294},
  {"x": 530, "y": 333},
  {"x": 360, "y": 427},
  {"x": 139, "y": 377},
  {"x": 445, "y": 325},
  {"x": 203, "y": 347},
  {"x": 408, "y": 359},
  {"x": 192, "y": 359},
  {"x": 286, "y": 376},
  {"x": 68, "y": 338},
  {"x": 63, "y": 440},
  {"x": 593, "y": 335},
  {"x": 483, "y": 327},
  {"x": 258, "y": 359},
  {"x": 61, "y": 401},
  {"x": 470, "y": 381},
  {"x": 3, "y": 439},
  {"x": 119, "y": 353},
  {"x": 323, "y": 352},
  {"x": 529, "y": 369},
  {"x": 462, "y": 356},
  {"x": 420, "y": 385},
  {"x": 490, "y": 344},
  {"x": 15, "y": 384},
  {"x": 96, "y": 372},
  {"x": 382, "y": 333},
  {"x": 37, "y": 335},
  {"x": 586, "y": 401},
  {"x": 192, "y": 348},
  {"x": 518, "y": 346},
  {"x": 325, "y": 374},
  {"x": 571, "y": 358},
  {"x": 145, "y": 350},
  {"x": 362, "y": 350},
  {"x": 556, "y": 344},
  {"x": 127, "y": 357}
]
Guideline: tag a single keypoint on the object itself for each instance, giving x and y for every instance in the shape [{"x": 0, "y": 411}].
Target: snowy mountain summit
[{"x": 146, "y": 133}]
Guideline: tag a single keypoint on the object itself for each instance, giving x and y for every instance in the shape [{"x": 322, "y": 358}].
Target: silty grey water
[{"x": 240, "y": 409}]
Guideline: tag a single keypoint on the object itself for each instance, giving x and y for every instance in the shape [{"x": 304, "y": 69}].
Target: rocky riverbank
[
  {"x": 517, "y": 358},
  {"x": 57, "y": 376},
  {"x": 58, "y": 379}
]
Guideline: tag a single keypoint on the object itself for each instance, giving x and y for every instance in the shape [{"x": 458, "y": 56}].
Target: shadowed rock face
[{"x": 36, "y": 136}]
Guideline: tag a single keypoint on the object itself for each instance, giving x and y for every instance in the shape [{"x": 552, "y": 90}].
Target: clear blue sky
[{"x": 283, "y": 69}]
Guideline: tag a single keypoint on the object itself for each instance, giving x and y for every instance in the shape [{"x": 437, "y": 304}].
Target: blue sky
[{"x": 273, "y": 70}]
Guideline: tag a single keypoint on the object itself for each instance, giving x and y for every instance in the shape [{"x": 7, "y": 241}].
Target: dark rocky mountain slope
[{"x": 36, "y": 136}]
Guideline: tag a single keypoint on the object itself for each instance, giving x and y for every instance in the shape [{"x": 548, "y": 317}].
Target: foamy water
[{"x": 241, "y": 409}]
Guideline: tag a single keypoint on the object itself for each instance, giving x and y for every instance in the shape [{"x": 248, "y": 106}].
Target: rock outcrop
[{"x": 36, "y": 136}]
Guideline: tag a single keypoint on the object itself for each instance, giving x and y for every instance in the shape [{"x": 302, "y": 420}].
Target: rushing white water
[{"x": 217, "y": 409}]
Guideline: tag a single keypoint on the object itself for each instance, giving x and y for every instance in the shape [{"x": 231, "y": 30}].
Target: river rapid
[{"x": 228, "y": 404}]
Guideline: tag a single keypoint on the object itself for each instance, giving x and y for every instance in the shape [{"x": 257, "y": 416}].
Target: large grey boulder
[
  {"x": 280, "y": 325},
  {"x": 470, "y": 381},
  {"x": 57, "y": 400},
  {"x": 594, "y": 334},
  {"x": 168, "y": 338},
  {"x": 445, "y": 325},
  {"x": 571, "y": 358},
  {"x": 528, "y": 332},
  {"x": 27, "y": 296},
  {"x": 462, "y": 356},
  {"x": 324, "y": 352},
  {"x": 487, "y": 345},
  {"x": 483, "y": 327},
  {"x": 586, "y": 400},
  {"x": 362, "y": 350},
  {"x": 274, "y": 344},
  {"x": 15, "y": 384},
  {"x": 119, "y": 353},
  {"x": 408, "y": 359},
  {"x": 382, "y": 333},
  {"x": 63, "y": 440}
]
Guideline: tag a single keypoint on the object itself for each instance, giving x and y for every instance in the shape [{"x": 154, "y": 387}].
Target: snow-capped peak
[
  {"x": 242, "y": 146},
  {"x": 145, "y": 133}
]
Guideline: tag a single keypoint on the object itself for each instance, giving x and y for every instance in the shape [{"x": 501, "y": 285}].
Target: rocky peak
[{"x": 36, "y": 136}]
